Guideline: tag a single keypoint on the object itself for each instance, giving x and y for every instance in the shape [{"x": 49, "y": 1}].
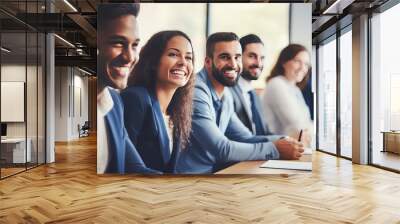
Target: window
[
  {"x": 22, "y": 68},
  {"x": 346, "y": 94},
  {"x": 385, "y": 87},
  {"x": 327, "y": 97}
]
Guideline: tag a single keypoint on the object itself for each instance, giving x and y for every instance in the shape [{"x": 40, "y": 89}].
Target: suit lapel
[
  {"x": 257, "y": 105},
  {"x": 239, "y": 93},
  {"x": 162, "y": 130},
  {"x": 174, "y": 157},
  {"x": 223, "y": 120},
  {"x": 116, "y": 157}
]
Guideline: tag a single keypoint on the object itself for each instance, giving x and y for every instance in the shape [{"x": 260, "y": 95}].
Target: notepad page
[
  {"x": 307, "y": 151},
  {"x": 287, "y": 164}
]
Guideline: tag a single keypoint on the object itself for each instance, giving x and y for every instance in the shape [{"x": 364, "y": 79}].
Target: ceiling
[{"x": 75, "y": 21}]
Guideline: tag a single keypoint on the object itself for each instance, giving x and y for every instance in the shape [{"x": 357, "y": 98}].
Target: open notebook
[{"x": 287, "y": 164}]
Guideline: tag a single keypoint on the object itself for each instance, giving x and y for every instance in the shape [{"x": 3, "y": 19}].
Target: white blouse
[
  {"x": 104, "y": 105},
  {"x": 286, "y": 111},
  {"x": 170, "y": 131}
]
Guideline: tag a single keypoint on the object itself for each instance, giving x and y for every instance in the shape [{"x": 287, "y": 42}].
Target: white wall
[
  {"x": 80, "y": 112},
  {"x": 71, "y": 94},
  {"x": 61, "y": 103}
]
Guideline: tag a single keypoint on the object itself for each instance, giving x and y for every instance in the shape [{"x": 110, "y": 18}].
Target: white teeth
[
  {"x": 178, "y": 72},
  {"x": 230, "y": 74},
  {"x": 124, "y": 70}
]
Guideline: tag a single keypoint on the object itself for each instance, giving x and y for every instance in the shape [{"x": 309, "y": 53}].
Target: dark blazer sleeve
[
  {"x": 122, "y": 153},
  {"x": 135, "y": 109},
  {"x": 133, "y": 161},
  {"x": 238, "y": 132}
]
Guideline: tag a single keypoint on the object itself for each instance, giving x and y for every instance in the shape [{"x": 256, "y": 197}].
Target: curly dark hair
[
  {"x": 287, "y": 54},
  {"x": 145, "y": 74}
]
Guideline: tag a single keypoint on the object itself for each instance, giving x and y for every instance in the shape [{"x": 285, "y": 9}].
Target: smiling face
[
  {"x": 297, "y": 68},
  {"x": 253, "y": 61},
  {"x": 176, "y": 63},
  {"x": 118, "y": 50},
  {"x": 226, "y": 63}
]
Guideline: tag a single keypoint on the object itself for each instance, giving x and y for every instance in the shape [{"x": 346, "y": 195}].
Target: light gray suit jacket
[
  {"x": 243, "y": 112},
  {"x": 213, "y": 146}
]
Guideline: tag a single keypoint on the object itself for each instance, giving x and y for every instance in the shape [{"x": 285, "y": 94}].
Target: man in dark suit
[
  {"x": 246, "y": 102},
  {"x": 117, "y": 42}
]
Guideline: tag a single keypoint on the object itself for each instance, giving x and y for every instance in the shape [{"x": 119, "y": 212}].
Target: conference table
[{"x": 253, "y": 167}]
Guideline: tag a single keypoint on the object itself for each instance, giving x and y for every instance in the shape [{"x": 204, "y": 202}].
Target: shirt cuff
[
  {"x": 273, "y": 138},
  {"x": 274, "y": 152}
]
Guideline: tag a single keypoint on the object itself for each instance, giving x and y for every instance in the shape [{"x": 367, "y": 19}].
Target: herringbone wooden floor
[{"x": 70, "y": 191}]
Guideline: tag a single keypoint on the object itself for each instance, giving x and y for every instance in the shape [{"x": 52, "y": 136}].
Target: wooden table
[{"x": 253, "y": 167}]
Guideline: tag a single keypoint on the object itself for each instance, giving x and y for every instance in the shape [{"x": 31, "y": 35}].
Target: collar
[
  {"x": 214, "y": 94},
  {"x": 245, "y": 85},
  {"x": 104, "y": 102}
]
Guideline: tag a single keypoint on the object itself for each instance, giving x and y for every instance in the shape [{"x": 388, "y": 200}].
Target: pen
[{"x": 301, "y": 132}]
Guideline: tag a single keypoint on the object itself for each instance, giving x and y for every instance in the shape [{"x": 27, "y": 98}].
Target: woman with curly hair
[{"x": 158, "y": 100}]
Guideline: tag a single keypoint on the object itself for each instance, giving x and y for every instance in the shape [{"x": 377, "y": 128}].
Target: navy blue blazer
[
  {"x": 214, "y": 141},
  {"x": 146, "y": 128},
  {"x": 122, "y": 155}
]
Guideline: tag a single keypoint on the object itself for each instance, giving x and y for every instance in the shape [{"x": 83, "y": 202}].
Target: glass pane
[
  {"x": 23, "y": 81},
  {"x": 386, "y": 89},
  {"x": 327, "y": 97},
  {"x": 13, "y": 86},
  {"x": 346, "y": 94},
  {"x": 274, "y": 31},
  {"x": 41, "y": 99},
  {"x": 31, "y": 98}
]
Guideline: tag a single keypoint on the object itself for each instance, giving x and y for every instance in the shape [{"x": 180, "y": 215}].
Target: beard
[
  {"x": 246, "y": 74},
  {"x": 219, "y": 75}
]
